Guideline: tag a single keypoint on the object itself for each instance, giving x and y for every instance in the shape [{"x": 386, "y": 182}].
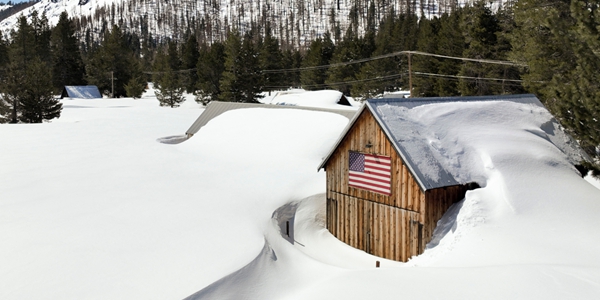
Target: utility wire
[
  {"x": 358, "y": 61},
  {"x": 487, "y": 61},
  {"x": 382, "y": 78},
  {"x": 163, "y": 72},
  {"x": 466, "y": 77}
]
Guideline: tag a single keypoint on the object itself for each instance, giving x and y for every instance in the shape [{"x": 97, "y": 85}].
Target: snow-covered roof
[
  {"x": 419, "y": 128},
  {"x": 216, "y": 108},
  {"x": 81, "y": 91},
  {"x": 322, "y": 98}
]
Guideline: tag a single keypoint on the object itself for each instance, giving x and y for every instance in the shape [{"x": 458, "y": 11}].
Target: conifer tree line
[{"x": 557, "y": 40}]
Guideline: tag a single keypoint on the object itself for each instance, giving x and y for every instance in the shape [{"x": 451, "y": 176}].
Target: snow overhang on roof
[
  {"x": 216, "y": 108},
  {"x": 420, "y": 156}
]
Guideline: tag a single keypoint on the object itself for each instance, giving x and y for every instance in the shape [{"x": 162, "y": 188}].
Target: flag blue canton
[{"x": 357, "y": 162}]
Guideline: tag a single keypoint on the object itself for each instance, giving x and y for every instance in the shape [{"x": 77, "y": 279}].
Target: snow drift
[{"x": 93, "y": 207}]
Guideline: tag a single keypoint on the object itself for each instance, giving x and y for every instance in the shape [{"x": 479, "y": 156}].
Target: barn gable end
[
  {"x": 423, "y": 184},
  {"x": 395, "y": 226}
]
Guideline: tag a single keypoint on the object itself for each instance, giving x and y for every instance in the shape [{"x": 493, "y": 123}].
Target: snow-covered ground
[{"x": 92, "y": 206}]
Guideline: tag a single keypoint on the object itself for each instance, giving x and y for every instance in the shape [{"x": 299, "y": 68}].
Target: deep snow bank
[{"x": 529, "y": 232}]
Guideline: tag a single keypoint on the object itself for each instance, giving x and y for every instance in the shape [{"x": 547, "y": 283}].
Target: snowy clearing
[{"x": 93, "y": 206}]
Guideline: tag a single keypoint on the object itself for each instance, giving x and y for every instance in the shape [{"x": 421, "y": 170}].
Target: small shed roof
[
  {"x": 216, "y": 108},
  {"x": 81, "y": 91},
  {"x": 420, "y": 156},
  {"x": 322, "y": 99}
]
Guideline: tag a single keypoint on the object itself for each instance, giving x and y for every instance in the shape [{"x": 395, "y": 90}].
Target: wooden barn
[{"x": 392, "y": 210}]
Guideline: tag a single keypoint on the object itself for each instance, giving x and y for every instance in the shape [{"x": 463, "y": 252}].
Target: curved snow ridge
[
  {"x": 291, "y": 262},
  {"x": 278, "y": 270},
  {"x": 245, "y": 283}
]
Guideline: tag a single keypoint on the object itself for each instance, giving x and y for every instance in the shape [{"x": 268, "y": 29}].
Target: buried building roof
[
  {"x": 434, "y": 160},
  {"x": 321, "y": 98},
  {"x": 81, "y": 91},
  {"x": 216, "y": 108}
]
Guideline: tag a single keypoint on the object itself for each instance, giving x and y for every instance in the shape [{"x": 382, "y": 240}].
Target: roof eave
[{"x": 342, "y": 136}]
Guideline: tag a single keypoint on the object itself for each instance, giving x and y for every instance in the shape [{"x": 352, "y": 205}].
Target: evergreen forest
[{"x": 550, "y": 48}]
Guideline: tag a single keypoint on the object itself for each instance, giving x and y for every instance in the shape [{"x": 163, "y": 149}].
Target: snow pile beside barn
[{"x": 529, "y": 226}]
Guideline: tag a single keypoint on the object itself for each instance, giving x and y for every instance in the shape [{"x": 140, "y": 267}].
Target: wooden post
[
  {"x": 410, "y": 87},
  {"x": 377, "y": 264},
  {"x": 14, "y": 111},
  {"x": 112, "y": 80}
]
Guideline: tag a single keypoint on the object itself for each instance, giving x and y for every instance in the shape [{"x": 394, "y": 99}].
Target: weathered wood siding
[
  {"x": 395, "y": 226},
  {"x": 381, "y": 230},
  {"x": 405, "y": 194},
  {"x": 437, "y": 202}
]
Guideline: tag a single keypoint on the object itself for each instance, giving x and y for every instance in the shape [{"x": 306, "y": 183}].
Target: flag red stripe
[
  {"x": 373, "y": 189},
  {"x": 377, "y": 169},
  {"x": 368, "y": 184},
  {"x": 381, "y": 161},
  {"x": 374, "y": 177}
]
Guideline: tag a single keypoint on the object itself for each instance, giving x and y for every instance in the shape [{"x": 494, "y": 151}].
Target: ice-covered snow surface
[{"x": 94, "y": 207}]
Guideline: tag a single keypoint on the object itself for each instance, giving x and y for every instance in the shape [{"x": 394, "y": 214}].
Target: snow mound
[
  {"x": 531, "y": 224},
  {"x": 320, "y": 99}
]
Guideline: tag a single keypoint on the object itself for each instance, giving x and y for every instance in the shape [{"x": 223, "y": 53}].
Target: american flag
[{"x": 370, "y": 172}]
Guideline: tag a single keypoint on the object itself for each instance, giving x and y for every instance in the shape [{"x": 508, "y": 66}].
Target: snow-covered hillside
[
  {"x": 298, "y": 22},
  {"x": 94, "y": 207},
  {"x": 53, "y": 9},
  {"x": 3, "y": 7}
]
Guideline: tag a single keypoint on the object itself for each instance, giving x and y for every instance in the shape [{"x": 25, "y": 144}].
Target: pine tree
[
  {"x": 425, "y": 85},
  {"x": 167, "y": 82},
  {"x": 137, "y": 84},
  {"x": 210, "y": 67},
  {"x": 3, "y": 55},
  {"x": 109, "y": 66},
  {"x": 37, "y": 101},
  {"x": 291, "y": 59},
  {"x": 231, "y": 90},
  {"x": 480, "y": 27},
  {"x": 319, "y": 54},
  {"x": 251, "y": 79},
  {"x": 27, "y": 86},
  {"x": 241, "y": 81},
  {"x": 67, "y": 65},
  {"x": 559, "y": 42},
  {"x": 42, "y": 35},
  {"x": 4, "y": 106},
  {"x": 21, "y": 50},
  {"x": 270, "y": 58},
  {"x": 351, "y": 48},
  {"x": 189, "y": 60},
  {"x": 382, "y": 75},
  {"x": 451, "y": 42}
]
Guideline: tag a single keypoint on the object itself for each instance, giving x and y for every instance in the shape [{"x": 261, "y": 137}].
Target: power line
[
  {"x": 394, "y": 54},
  {"x": 487, "y": 61},
  {"x": 466, "y": 77},
  {"x": 382, "y": 78},
  {"x": 164, "y": 72}
]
